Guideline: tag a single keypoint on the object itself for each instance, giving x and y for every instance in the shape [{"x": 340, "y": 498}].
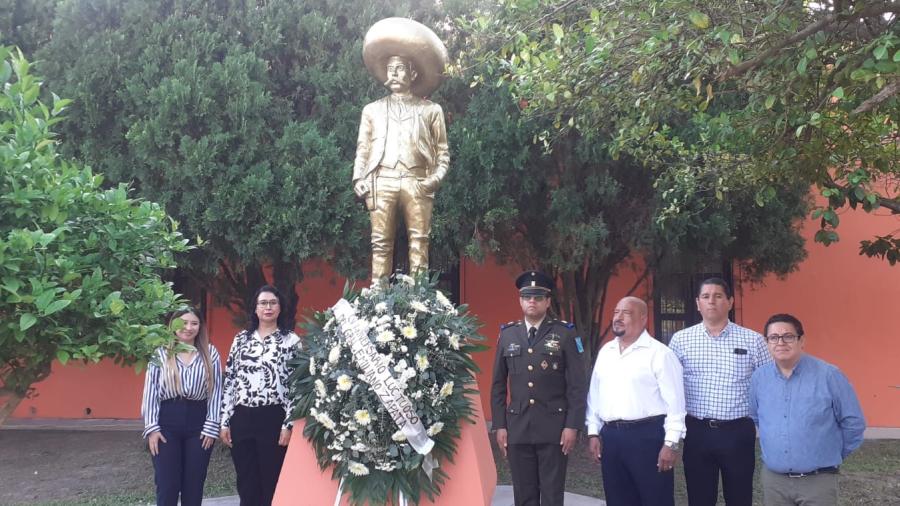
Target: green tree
[
  {"x": 79, "y": 265},
  {"x": 580, "y": 214},
  {"x": 241, "y": 118},
  {"x": 26, "y": 24},
  {"x": 777, "y": 93}
]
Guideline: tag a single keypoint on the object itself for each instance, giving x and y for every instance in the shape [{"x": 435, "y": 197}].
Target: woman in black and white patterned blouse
[{"x": 255, "y": 407}]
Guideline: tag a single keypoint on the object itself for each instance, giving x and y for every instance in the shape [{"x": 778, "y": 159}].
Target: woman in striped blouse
[{"x": 182, "y": 394}]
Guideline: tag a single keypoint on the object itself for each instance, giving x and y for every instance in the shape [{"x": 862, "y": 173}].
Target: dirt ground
[
  {"x": 113, "y": 468},
  {"x": 73, "y": 467}
]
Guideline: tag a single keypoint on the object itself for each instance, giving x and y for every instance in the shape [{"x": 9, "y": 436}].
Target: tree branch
[
  {"x": 811, "y": 29},
  {"x": 889, "y": 90}
]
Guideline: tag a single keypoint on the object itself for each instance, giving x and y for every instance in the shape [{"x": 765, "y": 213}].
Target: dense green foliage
[
  {"x": 580, "y": 214},
  {"x": 242, "y": 119},
  {"x": 774, "y": 93},
  {"x": 79, "y": 264}
]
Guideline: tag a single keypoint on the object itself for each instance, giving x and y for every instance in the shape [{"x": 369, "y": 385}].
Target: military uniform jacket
[{"x": 546, "y": 383}]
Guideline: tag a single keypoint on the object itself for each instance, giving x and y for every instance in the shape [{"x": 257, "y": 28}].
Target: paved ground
[{"x": 502, "y": 497}]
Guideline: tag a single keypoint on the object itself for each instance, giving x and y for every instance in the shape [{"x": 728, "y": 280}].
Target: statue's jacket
[{"x": 429, "y": 136}]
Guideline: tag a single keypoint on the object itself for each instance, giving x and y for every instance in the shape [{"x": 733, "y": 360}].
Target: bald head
[{"x": 629, "y": 318}]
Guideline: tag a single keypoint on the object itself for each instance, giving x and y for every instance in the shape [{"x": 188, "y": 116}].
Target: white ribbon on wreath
[{"x": 376, "y": 372}]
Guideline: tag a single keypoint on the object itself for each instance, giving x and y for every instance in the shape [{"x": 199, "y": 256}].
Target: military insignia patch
[
  {"x": 579, "y": 345},
  {"x": 551, "y": 344},
  {"x": 544, "y": 365}
]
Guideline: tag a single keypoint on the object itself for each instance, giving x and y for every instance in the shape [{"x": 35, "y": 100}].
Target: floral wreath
[{"x": 426, "y": 343}]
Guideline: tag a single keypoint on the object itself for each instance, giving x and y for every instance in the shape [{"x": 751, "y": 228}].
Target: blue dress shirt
[{"x": 807, "y": 421}]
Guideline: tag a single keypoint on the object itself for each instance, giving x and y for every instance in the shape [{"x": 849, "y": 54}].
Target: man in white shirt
[{"x": 635, "y": 412}]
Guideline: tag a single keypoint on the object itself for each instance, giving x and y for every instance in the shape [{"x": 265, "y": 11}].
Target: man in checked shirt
[{"x": 718, "y": 358}]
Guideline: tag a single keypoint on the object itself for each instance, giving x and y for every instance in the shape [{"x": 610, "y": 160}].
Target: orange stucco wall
[{"x": 848, "y": 305}]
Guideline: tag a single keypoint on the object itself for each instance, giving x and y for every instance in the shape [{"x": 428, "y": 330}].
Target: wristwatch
[{"x": 673, "y": 445}]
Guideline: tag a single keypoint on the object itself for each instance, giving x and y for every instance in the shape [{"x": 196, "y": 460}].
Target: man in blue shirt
[{"x": 808, "y": 417}]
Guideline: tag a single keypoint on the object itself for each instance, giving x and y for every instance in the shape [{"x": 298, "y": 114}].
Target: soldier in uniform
[{"x": 540, "y": 365}]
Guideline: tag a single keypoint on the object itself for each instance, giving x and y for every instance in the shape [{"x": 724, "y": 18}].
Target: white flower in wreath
[
  {"x": 328, "y": 324},
  {"x": 320, "y": 388},
  {"x": 335, "y": 354},
  {"x": 385, "y": 336},
  {"x": 408, "y": 374},
  {"x": 409, "y": 332},
  {"x": 357, "y": 469},
  {"x": 419, "y": 306},
  {"x": 381, "y": 307},
  {"x": 409, "y": 280},
  {"x": 362, "y": 417},
  {"x": 418, "y": 394},
  {"x": 398, "y": 436},
  {"x": 401, "y": 365},
  {"x": 442, "y": 299},
  {"x": 337, "y": 457},
  {"x": 454, "y": 341},
  {"x": 365, "y": 292},
  {"x": 422, "y": 361},
  {"x": 446, "y": 390},
  {"x": 312, "y": 366},
  {"x": 360, "y": 447},
  {"x": 325, "y": 420},
  {"x": 403, "y": 348},
  {"x": 435, "y": 429},
  {"x": 344, "y": 383}
]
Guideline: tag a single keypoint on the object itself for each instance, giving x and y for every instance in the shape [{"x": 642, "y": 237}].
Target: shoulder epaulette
[
  {"x": 509, "y": 324},
  {"x": 567, "y": 324}
]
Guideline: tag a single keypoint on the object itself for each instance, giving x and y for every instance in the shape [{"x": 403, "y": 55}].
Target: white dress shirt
[{"x": 643, "y": 381}]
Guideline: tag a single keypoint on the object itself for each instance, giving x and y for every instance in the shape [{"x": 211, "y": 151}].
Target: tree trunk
[
  {"x": 10, "y": 402},
  {"x": 286, "y": 276}
]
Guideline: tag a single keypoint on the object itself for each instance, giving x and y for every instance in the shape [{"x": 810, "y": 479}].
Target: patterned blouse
[{"x": 257, "y": 371}]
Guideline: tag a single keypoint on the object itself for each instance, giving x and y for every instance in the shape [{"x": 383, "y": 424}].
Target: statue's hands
[
  {"x": 361, "y": 188},
  {"x": 429, "y": 184}
]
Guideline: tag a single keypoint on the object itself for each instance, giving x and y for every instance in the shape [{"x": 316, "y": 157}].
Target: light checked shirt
[
  {"x": 643, "y": 381},
  {"x": 717, "y": 370},
  {"x": 807, "y": 421}
]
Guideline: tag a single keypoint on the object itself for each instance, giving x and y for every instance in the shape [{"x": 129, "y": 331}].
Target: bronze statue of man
[{"x": 401, "y": 152}]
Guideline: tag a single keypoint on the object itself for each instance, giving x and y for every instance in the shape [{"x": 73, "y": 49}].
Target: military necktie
[{"x": 532, "y": 335}]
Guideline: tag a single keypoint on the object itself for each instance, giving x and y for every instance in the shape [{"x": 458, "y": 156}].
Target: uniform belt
[
  {"x": 619, "y": 424},
  {"x": 821, "y": 470},
  {"x": 713, "y": 423}
]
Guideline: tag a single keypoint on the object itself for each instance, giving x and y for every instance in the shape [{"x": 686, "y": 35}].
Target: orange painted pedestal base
[{"x": 471, "y": 478}]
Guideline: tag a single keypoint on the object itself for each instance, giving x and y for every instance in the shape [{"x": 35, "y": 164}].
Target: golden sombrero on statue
[{"x": 411, "y": 40}]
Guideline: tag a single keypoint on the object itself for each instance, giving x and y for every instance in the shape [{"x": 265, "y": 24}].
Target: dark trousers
[
  {"x": 629, "y": 458},
  {"x": 711, "y": 448},
  {"x": 256, "y": 454},
  {"x": 538, "y": 474},
  {"x": 182, "y": 462}
]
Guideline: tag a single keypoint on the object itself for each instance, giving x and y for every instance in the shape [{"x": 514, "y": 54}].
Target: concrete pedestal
[{"x": 471, "y": 477}]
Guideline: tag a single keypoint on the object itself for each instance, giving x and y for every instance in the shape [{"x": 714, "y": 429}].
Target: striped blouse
[{"x": 193, "y": 382}]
